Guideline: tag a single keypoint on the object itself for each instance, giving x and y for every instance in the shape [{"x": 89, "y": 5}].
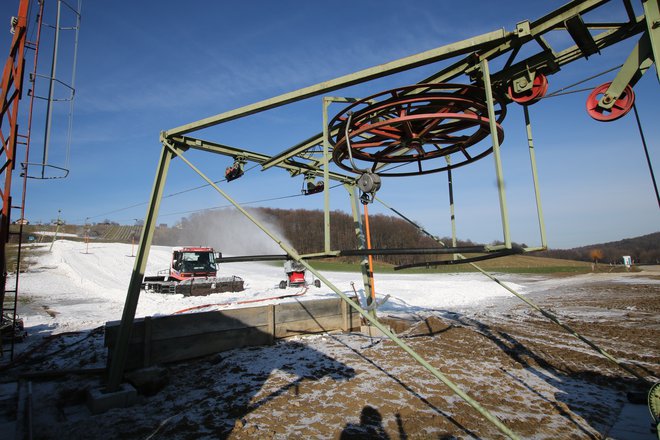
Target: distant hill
[
  {"x": 643, "y": 250},
  {"x": 303, "y": 229}
]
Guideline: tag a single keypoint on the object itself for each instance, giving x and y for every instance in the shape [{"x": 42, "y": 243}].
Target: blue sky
[{"x": 149, "y": 66}]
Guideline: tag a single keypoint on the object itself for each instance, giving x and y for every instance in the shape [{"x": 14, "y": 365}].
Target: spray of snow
[{"x": 231, "y": 233}]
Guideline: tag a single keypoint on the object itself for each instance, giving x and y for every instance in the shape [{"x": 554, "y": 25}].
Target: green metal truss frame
[{"x": 477, "y": 52}]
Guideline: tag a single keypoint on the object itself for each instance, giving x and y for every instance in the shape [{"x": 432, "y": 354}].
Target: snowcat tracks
[{"x": 195, "y": 286}]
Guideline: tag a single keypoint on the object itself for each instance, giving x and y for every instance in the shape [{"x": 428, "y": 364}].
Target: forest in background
[
  {"x": 303, "y": 229},
  {"x": 643, "y": 250},
  {"x": 230, "y": 232}
]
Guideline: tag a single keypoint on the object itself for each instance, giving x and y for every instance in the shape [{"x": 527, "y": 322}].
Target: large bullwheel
[{"x": 415, "y": 124}]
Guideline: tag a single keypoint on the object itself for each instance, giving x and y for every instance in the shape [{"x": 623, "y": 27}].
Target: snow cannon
[{"x": 295, "y": 274}]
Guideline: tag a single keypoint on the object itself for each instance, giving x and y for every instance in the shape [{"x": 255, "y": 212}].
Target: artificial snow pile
[{"x": 79, "y": 287}]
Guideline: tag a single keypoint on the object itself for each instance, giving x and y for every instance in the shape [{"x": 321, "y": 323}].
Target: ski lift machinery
[{"x": 435, "y": 125}]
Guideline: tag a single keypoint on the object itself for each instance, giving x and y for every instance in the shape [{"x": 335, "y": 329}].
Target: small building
[{"x": 627, "y": 260}]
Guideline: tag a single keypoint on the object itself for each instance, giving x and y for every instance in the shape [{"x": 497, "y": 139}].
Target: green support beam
[
  {"x": 636, "y": 65},
  {"x": 118, "y": 360},
  {"x": 496, "y": 153},
  {"x": 652, "y": 14},
  {"x": 535, "y": 178},
  {"x": 452, "y": 214},
  {"x": 226, "y": 150},
  {"x": 361, "y": 238},
  {"x": 326, "y": 174}
]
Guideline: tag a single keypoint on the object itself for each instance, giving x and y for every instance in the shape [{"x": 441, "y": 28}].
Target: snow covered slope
[{"x": 75, "y": 287}]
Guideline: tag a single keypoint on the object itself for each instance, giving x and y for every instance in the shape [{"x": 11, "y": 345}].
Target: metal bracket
[
  {"x": 368, "y": 183},
  {"x": 524, "y": 82},
  {"x": 523, "y": 29},
  {"x": 638, "y": 62}
]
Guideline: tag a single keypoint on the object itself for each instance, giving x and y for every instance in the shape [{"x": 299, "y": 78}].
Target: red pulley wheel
[
  {"x": 620, "y": 108},
  {"x": 539, "y": 87}
]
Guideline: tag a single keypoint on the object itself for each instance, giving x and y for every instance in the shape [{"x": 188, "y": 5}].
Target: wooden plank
[
  {"x": 112, "y": 330},
  {"x": 356, "y": 320},
  {"x": 345, "y": 316},
  {"x": 207, "y": 322},
  {"x": 192, "y": 323},
  {"x": 173, "y": 326},
  {"x": 189, "y": 347},
  {"x": 271, "y": 323},
  {"x": 180, "y": 337},
  {"x": 307, "y": 326},
  {"x": 147, "y": 342},
  {"x": 295, "y": 311}
]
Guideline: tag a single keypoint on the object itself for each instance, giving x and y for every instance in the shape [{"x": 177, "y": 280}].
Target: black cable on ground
[
  {"x": 25, "y": 357},
  {"x": 548, "y": 315}
]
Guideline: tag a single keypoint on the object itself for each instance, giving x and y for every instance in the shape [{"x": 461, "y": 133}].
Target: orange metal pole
[{"x": 371, "y": 261}]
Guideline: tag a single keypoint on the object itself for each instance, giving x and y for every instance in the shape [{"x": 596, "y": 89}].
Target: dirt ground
[{"x": 540, "y": 381}]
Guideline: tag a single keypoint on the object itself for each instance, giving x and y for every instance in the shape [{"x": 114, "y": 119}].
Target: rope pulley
[
  {"x": 603, "y": 107},
  {"x": 236, "y": 170},
  {"x": 528, "y": 89},
  {"x": 368, "y": 183}
]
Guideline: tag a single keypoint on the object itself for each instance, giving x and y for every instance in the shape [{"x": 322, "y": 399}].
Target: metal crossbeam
[
  {"x": 295, "y": 167},
  {"x": 490, "y": 46}
]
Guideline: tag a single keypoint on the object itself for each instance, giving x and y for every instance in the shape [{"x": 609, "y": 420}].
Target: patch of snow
[
  {"x": 52, "y": 233},
  {"x": 79, "y": 287}
]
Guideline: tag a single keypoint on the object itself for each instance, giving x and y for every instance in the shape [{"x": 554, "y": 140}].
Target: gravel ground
[{"x": 540, "y": 381}]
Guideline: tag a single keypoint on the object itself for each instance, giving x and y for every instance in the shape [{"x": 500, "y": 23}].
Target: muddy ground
[{"x": 541, "y": 382}]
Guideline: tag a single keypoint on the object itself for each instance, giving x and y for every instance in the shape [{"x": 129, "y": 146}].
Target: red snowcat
[{"x": 192, "y": 272}]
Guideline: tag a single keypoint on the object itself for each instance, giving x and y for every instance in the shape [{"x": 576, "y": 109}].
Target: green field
[{"x": 509, "y": 264}]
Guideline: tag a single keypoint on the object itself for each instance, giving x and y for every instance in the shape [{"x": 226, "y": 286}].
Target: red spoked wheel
[
  {"x": 620, "y": 108},
  {"x": 534, "y": 94},
  {"x": 414, "y": 124}
]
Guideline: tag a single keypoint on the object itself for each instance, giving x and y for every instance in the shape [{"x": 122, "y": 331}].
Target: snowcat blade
[{"x": 207, "y": 286}]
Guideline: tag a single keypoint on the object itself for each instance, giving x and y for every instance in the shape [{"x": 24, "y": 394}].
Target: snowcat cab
[
  {"x": 295, "y": 273},
  {"x": 193, "y": 262}
]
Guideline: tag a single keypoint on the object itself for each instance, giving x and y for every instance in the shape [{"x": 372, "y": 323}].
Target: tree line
[
  {"x": 643, "y": 250},
  {"x": 303, "y": 230}
]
